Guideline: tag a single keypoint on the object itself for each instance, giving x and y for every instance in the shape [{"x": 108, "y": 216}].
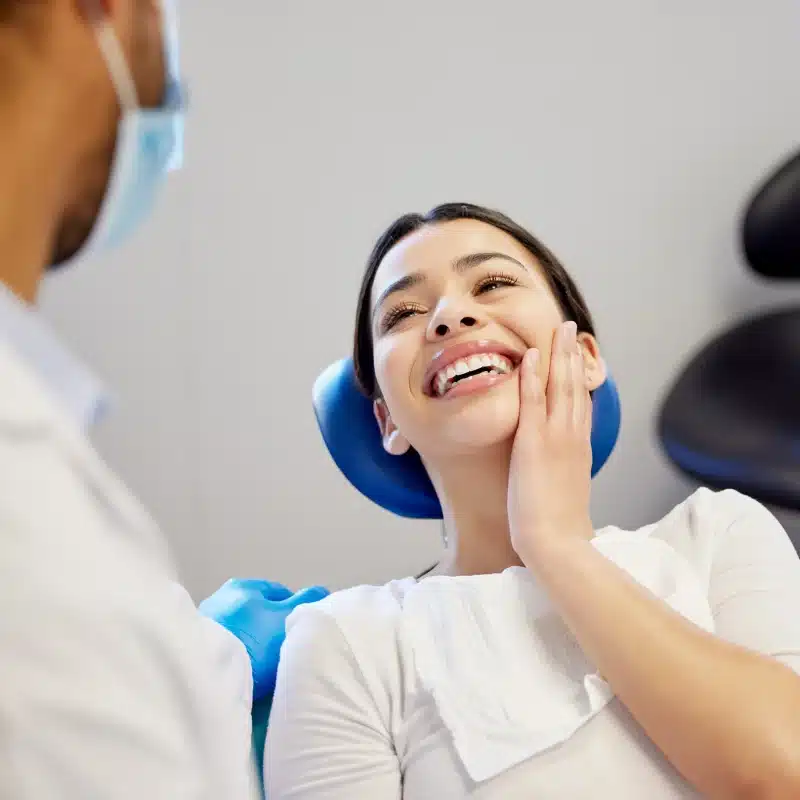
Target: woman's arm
[
  {"x": 326, "y": 736},
  {"x": 723, "y": 709},
  {"x": 727, "y": 716}
]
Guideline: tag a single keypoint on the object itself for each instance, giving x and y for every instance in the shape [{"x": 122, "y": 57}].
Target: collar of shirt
[{"x": 69, "y": 381}]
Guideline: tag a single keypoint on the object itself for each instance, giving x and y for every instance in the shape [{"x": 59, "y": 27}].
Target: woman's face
[{"x": 454, "y": 308}]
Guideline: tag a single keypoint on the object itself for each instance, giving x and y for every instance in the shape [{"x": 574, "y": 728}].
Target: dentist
[{"x": 112, "y": 683}]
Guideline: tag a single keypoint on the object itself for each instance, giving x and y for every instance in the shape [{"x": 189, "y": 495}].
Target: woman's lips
[
  {"x": 489, "y": 359},
  {"x": 475, "y": 384}
]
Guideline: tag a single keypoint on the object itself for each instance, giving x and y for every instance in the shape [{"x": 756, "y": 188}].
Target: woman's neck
[{"x": 474, "y": 491}]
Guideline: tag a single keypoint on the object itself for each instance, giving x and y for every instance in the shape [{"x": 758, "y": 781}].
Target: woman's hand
[
  {"x": 551, "y": 461},
  {"x": 675, "y": 679}
]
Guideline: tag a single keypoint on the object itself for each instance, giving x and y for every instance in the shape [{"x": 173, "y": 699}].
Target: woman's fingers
[
  {"x": 582, "y": 402},
  {"x": 568, "y": 401},
  {"x": 532, "y": 391},
  {"x": 560, "y": 385},
  {"x": 549, "y": 477},
  {"x": 532, "y": 400}
]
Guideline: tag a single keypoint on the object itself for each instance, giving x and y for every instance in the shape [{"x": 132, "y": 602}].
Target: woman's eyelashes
[
  {"x": 496, "y": 281},
  {"x": 487, "y": 284},
  {"x": 399, "y": 313}
]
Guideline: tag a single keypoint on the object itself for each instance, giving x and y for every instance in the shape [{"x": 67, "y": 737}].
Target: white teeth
[
  {"x": 474, "y": 362},
  {"x": 444, "y": 379}
]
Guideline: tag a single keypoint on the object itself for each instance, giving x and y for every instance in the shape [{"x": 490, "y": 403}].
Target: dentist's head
[{"x": 91, "y": 115}]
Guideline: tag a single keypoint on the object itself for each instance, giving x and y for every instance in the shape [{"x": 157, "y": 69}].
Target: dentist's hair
[{"x": 564, "y": 289}]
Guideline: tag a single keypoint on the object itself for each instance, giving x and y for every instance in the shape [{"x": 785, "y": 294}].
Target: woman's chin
[{"x": 480, "y": 425}]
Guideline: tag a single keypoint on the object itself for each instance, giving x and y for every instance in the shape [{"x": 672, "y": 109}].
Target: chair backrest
[
  {"x": 732, "y": 418},
  {"x": 771, "y": 225},
  {"x": 400, "y": 484}
]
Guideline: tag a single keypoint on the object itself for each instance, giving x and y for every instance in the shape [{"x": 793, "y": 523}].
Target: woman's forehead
[{"x": 437, "y": 247}]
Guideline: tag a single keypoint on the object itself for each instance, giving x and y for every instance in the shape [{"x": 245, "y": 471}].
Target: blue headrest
[{"x": 400, "y": 483}]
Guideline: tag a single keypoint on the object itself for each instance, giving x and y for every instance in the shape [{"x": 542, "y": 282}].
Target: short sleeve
[
  {"x": 326, "y": 737},
  {"x": 754, "y": 588}
]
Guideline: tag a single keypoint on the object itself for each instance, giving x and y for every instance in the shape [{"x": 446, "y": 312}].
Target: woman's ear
[
  {"x": 596, "y": 372},
  {"x": 394, "y": 442}
]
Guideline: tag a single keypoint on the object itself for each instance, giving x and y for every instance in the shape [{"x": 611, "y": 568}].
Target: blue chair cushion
[{"x": 400, "y": 484}]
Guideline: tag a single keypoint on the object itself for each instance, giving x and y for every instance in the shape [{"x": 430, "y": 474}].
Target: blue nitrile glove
[{"x": 255, "y": 613}]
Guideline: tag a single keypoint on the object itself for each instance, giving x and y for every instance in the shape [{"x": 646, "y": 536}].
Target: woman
[{"x": 542, "y": 658}]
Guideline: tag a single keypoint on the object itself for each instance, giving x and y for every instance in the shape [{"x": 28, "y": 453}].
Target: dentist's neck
[
  {"x": 474, "y": 489},
  {"x": 28, "y": 202},
  {"x": 53, "y": 125},
  {"x": 34, "y": 133}
]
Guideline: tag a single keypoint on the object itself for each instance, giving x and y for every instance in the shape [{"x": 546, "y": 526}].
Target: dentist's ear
[{"x": 394, "y": 442}]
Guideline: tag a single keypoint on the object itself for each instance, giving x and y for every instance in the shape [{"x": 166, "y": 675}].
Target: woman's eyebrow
[
  {"x": 463, "y": 263},
  {"x": 460, "y": 265},
  {"x": 400, "y": 285}
]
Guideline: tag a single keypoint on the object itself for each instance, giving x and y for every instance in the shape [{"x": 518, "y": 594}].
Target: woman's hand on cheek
[{"x": 551, "y": 460}]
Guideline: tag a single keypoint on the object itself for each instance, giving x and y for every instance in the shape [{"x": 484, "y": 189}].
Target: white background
[{"x": 626, "y": 133}]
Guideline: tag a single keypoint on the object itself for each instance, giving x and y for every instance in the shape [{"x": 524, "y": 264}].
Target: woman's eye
[
  {"x": 398, "y": 315},
  {"x": 495, "y": 282}
]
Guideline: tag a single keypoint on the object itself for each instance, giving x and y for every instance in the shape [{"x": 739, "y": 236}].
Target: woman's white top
[{"x": 473, "y": 687}]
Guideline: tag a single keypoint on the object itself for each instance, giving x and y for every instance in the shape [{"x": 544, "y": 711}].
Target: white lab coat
[{"x": 112, "y": 686}]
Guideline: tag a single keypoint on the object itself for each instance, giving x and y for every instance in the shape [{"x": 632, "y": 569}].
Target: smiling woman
[
  {"x": 460, "y": 281},
  {"x": 541, "y": 658},
  {"x": 563, "y": 288}
]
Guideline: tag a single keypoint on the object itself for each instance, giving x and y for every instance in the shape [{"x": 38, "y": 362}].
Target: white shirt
[
  {"x": 473, "y": 687},
  {"x": 112, "y": 685}
]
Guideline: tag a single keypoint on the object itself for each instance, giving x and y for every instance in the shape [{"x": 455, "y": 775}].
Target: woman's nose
[{"x": 448, "y": 322}]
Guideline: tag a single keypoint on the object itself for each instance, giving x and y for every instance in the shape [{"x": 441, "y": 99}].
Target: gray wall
[{"x": 626, "y": 133}]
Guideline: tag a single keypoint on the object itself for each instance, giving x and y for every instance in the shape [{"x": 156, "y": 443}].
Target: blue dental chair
[
  {"x": 732, "y": 417},
  {"x": 399, "y": 483}
]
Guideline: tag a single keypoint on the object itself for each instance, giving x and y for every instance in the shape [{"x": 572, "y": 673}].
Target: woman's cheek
[
  {"x": 389, "y": 370},
  {"x": 394, "y": 369}
]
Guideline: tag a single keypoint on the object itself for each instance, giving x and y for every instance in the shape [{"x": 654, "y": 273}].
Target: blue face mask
[{"x": 149, "y": 141}]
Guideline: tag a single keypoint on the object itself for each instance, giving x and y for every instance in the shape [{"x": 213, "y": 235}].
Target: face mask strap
[{"x": 117, "y": 65}]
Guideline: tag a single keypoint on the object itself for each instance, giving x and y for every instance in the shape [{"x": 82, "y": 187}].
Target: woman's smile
[{"x": 469, "y": 367}]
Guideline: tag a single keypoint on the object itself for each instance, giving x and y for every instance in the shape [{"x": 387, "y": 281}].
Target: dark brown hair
[{"x": 563, "y": 287}]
